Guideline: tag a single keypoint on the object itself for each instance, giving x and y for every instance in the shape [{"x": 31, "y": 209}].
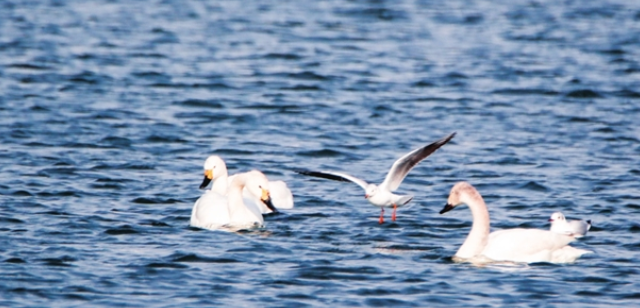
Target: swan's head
[
  {"x": 557, "y": 216},
  {"x": 461, "y": 193},
  {"x": 370, "y": 191},
  {"x": 257, "y": 185},
  {"x": 214, "y": 167}
]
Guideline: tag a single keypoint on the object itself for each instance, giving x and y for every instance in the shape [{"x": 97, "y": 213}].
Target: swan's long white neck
[
  {"x": 479, "y": 234},
  {"x": 220, "y": 184},
  {"x": 235, "y": 198}
]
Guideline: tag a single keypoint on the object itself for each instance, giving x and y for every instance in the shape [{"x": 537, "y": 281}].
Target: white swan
[
  {"x": 512, "y": 245},
  {"x": 216, "y": 211},
  {"x": 382, "y": 195},
  {"x": 577, "y": 228},
  {"x": 215, "y": 170}
]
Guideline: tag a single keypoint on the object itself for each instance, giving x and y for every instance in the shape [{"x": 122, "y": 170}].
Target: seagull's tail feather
[{"x": 404, "y": 200}]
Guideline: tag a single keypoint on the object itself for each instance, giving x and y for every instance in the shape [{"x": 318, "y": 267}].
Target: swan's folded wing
[
  {"x": 567, "y": 254},
  {"x": 281, "y": 195},
  {"x": 524, "y": 245}
]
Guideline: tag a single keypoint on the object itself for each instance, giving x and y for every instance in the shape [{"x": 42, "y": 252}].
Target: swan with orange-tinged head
[{"x": 510, "y": 245}]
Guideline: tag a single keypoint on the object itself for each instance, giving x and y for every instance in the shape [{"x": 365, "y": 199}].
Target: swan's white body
[
  {"x": 529, "y": 246},
  {"x": 215, "y": 171},
  {"x": 210, "y": 211},
  {"x": 382, "y": 195},
  {"x": 509, "y": 245},
  {"x": 560, "y": 224},
  {"x": 233, "y": 211},
  {"x": 281, "y": 197}
]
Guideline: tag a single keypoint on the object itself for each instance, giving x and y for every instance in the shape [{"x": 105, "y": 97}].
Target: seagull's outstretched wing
[
  {"x": 336, "y": 176},
  {"x": 404, "y": 164}
]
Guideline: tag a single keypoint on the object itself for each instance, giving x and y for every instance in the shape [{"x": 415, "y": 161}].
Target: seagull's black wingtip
[
  {"x": 301, "y": 171},
  {"x": 322, "y": 175},
  {"x": 448, "y": 138}
]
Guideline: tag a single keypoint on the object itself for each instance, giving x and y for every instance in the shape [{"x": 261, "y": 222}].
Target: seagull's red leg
[
  {"x": 381, "y": 220},
  {"x": 393, "y": 215}
]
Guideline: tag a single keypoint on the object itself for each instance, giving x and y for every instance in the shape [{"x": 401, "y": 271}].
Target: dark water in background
[{"x": 109, "y": 108}]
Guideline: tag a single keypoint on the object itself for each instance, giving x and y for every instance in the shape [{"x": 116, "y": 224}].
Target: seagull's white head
[
  {"x": 557, "y": 216},
  {"x": 370, "y": 191}
]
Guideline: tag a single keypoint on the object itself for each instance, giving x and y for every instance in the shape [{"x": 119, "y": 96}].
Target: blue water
[{"x": 109, "y": 108}]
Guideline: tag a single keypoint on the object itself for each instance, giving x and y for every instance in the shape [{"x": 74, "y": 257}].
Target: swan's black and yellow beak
[
  {"x": 266, "y": 199},
  {"x": 447, "y": 207},
  {"x": 208, "y": 176}
]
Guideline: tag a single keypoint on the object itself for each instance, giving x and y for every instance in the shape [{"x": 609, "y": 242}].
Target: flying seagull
[{"x": 382, "y": 195}]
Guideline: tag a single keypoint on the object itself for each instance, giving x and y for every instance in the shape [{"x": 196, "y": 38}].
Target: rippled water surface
[{"x": 109, "y": 108}]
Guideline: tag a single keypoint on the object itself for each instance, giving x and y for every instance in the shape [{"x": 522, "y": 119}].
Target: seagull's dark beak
[
  {"x": 366, "y": 196},
  {"x": 447, "y": 207},
  {"x": 551, "y": 220}
]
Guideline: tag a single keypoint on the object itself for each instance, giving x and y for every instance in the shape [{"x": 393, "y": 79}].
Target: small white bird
[
  {"x": 216, "y": 211},
  {"x": 382, "y": 195},
  {"x": 577, "y": 228},
  {"x": 511, "y": 245},
  {"x": 215, "y": 170}
]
